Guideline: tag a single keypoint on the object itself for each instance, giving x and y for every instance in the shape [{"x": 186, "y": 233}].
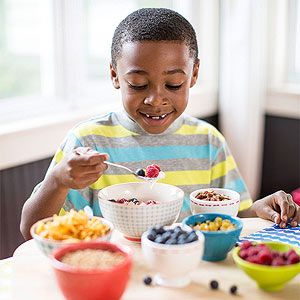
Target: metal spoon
[{"x": 133, "y": 172}]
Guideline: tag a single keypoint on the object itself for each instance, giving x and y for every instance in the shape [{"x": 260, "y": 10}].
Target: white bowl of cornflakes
[
  {"x": 156, "y": 204},
  {"x": 73, "y": 227}
]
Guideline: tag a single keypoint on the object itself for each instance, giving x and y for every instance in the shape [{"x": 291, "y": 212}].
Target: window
[
  {"x": 25, "y": 38},
  {"x": 294, "y": 41}
]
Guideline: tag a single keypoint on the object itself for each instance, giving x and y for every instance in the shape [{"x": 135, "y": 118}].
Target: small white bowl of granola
[{"x": 215, "y": 200}]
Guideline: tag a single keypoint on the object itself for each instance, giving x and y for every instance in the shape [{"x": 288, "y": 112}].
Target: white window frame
[
  {"x": 283, "y": 95},
  {"x": 39, "y": 135}
]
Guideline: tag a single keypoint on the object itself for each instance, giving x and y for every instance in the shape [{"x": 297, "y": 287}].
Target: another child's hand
[
  {"x": 278, "y": 207},
  {"x": 81, "y": 168}
]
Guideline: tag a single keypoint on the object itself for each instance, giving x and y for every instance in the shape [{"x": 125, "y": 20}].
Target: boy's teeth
[{"x": 156, "y": 117}]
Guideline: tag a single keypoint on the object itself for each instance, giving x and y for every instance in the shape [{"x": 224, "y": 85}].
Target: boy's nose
[{"x": 156, "y": 98}]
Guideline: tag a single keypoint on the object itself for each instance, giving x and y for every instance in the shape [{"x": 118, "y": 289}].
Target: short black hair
[{"x": 153, "y": 24}]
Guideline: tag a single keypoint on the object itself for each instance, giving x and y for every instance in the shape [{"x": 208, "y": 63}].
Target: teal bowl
[{"x": 217, "y": 243}]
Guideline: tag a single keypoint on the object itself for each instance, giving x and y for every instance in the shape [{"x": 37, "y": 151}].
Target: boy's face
[{"x": 155, "y": 78}]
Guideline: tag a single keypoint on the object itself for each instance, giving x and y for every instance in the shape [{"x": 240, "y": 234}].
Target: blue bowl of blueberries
[
  {"x": 221, "y": 233},
  {"x": 172, "y": 252}
]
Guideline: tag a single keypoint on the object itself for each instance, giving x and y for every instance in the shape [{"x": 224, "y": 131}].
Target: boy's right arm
[{"x": 76, "y": 171}]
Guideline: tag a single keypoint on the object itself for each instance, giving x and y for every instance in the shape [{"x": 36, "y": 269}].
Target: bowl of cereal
[
  {"x": 173, "y": 253},
  {"x": 270, "y": 264},
  {"x": 221, "y": 232},
  {"x": 89, "y": 270},
  {"x": 215, "y": 200},
  {"x": 73, "y": 227},
  {"x": 135, "y": 206}
]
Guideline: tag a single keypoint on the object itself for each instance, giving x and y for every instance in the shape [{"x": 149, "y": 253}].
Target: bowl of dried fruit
[
  {"x": 221, "y": 232},
  {"x": 215, "y": 200},
  {"x": 135, "y": 206},
  {"x": 270, "y": 264}
]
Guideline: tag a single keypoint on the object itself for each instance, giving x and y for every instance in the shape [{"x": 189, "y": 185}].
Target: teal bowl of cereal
[{"x": 221, "y": 233}]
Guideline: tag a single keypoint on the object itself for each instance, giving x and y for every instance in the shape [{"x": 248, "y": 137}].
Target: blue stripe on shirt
[
  {"x": 133, "y": 154},
  {"x": 236, "y": 185}
]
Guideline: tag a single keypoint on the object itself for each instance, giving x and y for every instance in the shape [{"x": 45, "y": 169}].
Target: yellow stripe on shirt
[
  {"x": 116, "y": 131},
  {"x": 188, "y": 177},
  {"x": 191, "y": 129},
  {"x": 222, "y": 168},
  {"x": 58, "y": 156},
  {"x": 245, "y": 204}
]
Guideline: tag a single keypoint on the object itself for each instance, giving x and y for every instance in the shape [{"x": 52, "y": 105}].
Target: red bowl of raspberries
[{"x": 270, "y": 264}]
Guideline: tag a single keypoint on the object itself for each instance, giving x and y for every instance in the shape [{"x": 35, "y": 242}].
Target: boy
[{"x": 154, "y": 63}]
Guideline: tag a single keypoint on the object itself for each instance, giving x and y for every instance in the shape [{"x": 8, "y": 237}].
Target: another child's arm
[
  {"x": 78, "y": 170},
  {"x": 278, "y": 207}
]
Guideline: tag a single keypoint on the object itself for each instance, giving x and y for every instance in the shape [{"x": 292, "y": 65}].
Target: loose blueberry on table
[{"x": 214, "y": 284}]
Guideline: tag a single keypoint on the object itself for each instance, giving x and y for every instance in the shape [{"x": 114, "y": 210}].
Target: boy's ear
[
  {"x": 195, "y": 72},
  {"x": 114, "y": 77}
]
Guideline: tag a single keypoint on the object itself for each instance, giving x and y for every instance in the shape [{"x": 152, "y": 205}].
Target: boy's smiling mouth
[{"x": 155, "y": 117}]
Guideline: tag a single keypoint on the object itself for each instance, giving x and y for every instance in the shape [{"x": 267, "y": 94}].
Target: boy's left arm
[{"x": 278, "y": 207}]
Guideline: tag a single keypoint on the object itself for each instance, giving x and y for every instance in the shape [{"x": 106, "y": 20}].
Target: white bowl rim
[
  {"x": 65, "y": 242},
  {"x": 194, "y": 199},
  {"x": 164, "y": 203}
]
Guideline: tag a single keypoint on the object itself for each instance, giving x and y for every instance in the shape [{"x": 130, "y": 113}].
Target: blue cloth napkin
[{"x": 289, "y": 235}]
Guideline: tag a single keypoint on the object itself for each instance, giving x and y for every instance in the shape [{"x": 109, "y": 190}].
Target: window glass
[{"x": 22, "y": 24}]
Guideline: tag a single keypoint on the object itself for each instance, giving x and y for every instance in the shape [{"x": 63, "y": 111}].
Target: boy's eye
[
  {"x": 137, "y": 87},
  {"x": 173, "y": 87}
]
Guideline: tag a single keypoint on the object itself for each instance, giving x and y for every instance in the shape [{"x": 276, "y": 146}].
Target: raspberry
[
  {"x": 157, "y": 167},
  {"x": 265, "y": 257},
  {"x": 152, "y": 171},
  {"x": 245, "y": 245},
  {"x": 293, "y": 259},
  {"x": 278, "y": 261}
]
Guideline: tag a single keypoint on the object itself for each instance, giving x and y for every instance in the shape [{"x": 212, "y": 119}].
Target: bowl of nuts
[
  {"x": 215, "y": 200},
  {"x": 221, "y": 232},
  {"x": 133, "y": 207}
]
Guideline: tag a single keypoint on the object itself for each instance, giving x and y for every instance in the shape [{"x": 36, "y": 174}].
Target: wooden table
[{"x": 33, "y": 277}]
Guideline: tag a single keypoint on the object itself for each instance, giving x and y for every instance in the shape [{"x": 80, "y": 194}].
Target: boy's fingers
[
  {"x": 282, "y": 201},
  {"x": 296, "y": 218},
  {"x": 272, "y": 215},
  {"x": 89, "y": 157}
]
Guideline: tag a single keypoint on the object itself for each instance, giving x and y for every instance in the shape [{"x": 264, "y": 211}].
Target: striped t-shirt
[{"x": 192, "y": 153}]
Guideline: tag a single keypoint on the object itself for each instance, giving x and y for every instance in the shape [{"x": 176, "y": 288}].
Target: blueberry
[
  {"x": 112, "y": 200},
  {"x": 233, "y": 289},
  {"x": 192, "y": 237},
  {"x": 140, "y": 172},
  {"x": 152, "y": 232},
  {"x": 182, "y": 236},
  {"x": 180, "y": 242},
  {"x": 133, "y": 199},
  {"x": 158, "y": 239},
  {"x": 151, "y": 237},
  {"x": 160, "y": 230},
  {"x": 178, "y": 229},
  {"x": 171, "y": 241},
  {"x": 147, "y": 280},
  {"x": 166, "y": 235},
  {"x": 214, "y": 284}
]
